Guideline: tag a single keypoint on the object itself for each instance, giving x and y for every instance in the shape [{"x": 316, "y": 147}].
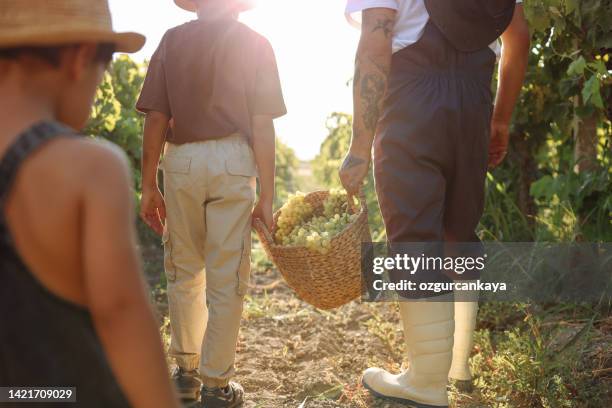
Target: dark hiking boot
[
  {"x": 188, "y": 383},
  {"x": 231, "y": 396}
]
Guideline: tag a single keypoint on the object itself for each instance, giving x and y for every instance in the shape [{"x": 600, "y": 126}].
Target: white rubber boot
[
  {"x": 428, "y": 330},
  {"x": 465, "y": 324}
]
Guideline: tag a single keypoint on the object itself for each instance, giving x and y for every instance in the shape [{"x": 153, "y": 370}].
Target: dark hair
[{"x": 52, "y": 55}]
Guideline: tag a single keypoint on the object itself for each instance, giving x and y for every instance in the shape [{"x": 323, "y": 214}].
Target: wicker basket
[{"x": 329, "y": 280}]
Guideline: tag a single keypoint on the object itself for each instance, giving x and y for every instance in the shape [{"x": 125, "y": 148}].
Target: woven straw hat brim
[
  {"x": 189, "y": 5},
  {"x": 124, "y": 42},
  {"x": 61, "y": 22}
]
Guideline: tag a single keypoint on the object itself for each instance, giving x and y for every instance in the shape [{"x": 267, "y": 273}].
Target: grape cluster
[
  {"x": 335, "y": 203},
  {"x": 315, "y": 232},
  {"x": 295, "y": 212}
]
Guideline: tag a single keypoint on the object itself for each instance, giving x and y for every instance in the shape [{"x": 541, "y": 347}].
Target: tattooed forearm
[
  {"x": 384, "y": 25},
  {"x": 373, "y": 87},
  {"x": 372, "y": 68},
  {"x": 383, "y": 68},
  {"x": 369, "y": 90}
]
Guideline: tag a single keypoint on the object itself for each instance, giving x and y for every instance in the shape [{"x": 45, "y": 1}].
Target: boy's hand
[
  {"x": 153, "y": 209},
  {"x": 353, "y": 171},
  {"x": 263, "y": 211},
  {"x": 498, "y": 147}
]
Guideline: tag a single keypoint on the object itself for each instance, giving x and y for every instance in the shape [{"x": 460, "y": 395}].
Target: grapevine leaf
[
  {"x": 543, "y": 188},
  {"x": 599, "y": 66},
  {"x": 538, "y": 18},
  {"x": 577, "y": 67},
  {"x": 591, "y": 92}
]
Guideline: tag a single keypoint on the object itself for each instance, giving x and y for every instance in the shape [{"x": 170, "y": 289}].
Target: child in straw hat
[
  {"x": 216, "y": 82},
  {"x": 73, "y": 307}
]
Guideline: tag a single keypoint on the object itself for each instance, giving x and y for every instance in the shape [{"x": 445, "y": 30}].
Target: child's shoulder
[
  {"x": 250, "y": 33},
  {"x": 80, "y": 163},
  {"x": 86, "y": 155}
]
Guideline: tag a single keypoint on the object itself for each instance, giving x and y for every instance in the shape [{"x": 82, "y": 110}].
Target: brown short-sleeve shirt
[{"x": 211, "y": 78}]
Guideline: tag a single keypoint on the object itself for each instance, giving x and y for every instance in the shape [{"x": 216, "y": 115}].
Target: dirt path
[
  {"x": 290, "y": 353},
  {"x": 293, "y": 355}
]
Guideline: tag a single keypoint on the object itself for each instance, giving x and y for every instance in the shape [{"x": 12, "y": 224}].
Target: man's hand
[
  {"x": 512, "y": 68},
  {"x": 353, "y": 171},
  {"x": 263, "y": 212},
  {"x": 153, "y": 209},
  {"x": 498, "y": 147}
]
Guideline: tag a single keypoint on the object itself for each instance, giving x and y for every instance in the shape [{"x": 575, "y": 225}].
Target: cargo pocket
[
  {"x": 244, "y": 269},
  {"x": 169, "y": 267},
  {"x": 242, "y": 173}
]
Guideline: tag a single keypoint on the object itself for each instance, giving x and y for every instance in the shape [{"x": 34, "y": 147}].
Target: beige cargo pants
[{"x": 209, "y": 193}]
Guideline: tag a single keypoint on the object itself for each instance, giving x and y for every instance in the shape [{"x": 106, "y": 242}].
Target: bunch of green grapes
[
  {"x": 335, "y": 203},
  {"x": 317, "y": 232},
  {"x": 295, "y": 212}
]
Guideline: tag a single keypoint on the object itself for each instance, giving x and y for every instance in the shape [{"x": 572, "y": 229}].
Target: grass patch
[{"x": 548, "y": 358}]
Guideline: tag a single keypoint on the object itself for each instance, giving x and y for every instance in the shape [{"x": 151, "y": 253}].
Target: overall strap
[{"x": 25, "y": 145}]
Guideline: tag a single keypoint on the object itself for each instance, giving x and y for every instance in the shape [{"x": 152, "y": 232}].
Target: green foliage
[
  {"x": 286, "y": 169},
  {"x": 588, "y": 193},
  {"x": 502, "y": 219},
  {"x": 567, "y": 87},
  {"x": 333, "y": 149},
  {"x": 531, "y": 357},
  {"x": 114, "y": 116}
]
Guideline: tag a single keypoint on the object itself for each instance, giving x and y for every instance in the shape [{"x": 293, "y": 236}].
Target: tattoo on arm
[
  {"x": 352, "y": 161},
  {"x": 370, "y": 88},
  {"x": 385, "y": 25},
  {"x": 373, "y": 87},
  {"x": 385, "y": 69},
  {"x": 372, "y": 69}
]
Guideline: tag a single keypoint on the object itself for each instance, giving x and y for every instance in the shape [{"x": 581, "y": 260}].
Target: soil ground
[{"x": 293, "y": 355}]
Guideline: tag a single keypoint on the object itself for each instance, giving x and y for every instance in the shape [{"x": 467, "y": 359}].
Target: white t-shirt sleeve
[{"x": 355, "y": 7}]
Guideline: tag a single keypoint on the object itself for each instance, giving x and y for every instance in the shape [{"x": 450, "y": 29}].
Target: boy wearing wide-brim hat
[
  {"x": 211, "y": 94},
  {"x": 73, "y": 306}
]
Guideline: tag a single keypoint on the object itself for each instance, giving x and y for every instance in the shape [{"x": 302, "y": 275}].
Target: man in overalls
[{"x": 422, "y": 86}]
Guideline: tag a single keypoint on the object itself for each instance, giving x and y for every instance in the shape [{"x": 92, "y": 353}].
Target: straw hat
[
  {"x": 241, "y": 5},
  {"x": 57, "y": 22}
]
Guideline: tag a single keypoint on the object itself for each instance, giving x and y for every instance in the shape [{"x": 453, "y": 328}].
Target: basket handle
[{"x": 362, "y": 200}]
